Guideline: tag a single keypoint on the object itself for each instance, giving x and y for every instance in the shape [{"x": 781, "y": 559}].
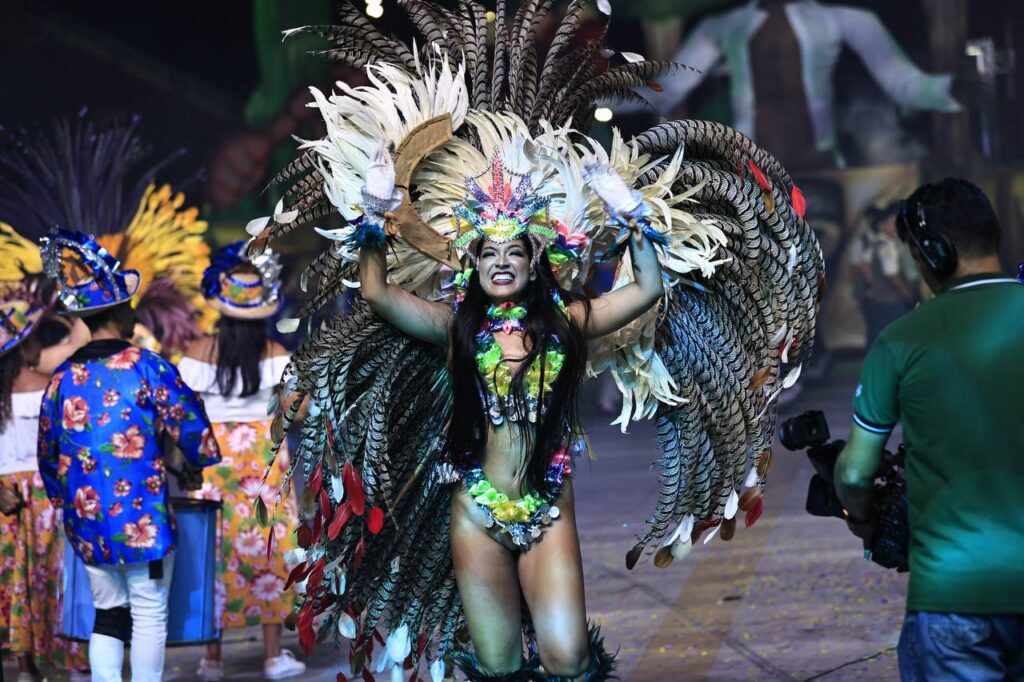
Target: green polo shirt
[{"x": 952, "y": 371}]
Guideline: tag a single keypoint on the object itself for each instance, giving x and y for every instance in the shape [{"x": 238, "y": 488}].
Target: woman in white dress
[
  {"x": 237, "y": 372},
  {"x": 31, "y": 551}
]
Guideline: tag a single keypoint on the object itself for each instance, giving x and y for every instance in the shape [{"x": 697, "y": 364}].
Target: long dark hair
[
  {"x": 240, "y": 347},
  {"x": 10, "y": 367},
  {"x": 467, "y": 431},
  {"x": 24, "y": 354}
]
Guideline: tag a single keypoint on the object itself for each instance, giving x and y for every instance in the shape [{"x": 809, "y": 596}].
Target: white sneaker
[
  {"x": 29, "y": 677},
  {"x": 283, "y": 666},
  {"x": 210, "y": 671}
]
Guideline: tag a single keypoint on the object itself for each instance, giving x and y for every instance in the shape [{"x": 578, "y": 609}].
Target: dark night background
[
  {"x": 191, "y": 69},
  {"x": 189, "y": 66}
]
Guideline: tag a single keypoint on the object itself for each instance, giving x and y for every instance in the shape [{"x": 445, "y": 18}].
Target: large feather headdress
[
  {"x": 742, "y": 270},
  {"x": 502, "y": 212}
]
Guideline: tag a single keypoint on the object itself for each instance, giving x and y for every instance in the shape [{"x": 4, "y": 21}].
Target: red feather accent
[
  {"x": 304, "y": 624},
  {"x": 341, "y": 516},
  {"x": 375, "y": 520},
  {"x": 799, "y": 202},
  {"x": 316, "y": 478},
  {"x": 305, "y": 536},
  {"x": 297, "y": 574},
  {"x": 367, "y": 677},
  {"x": 325, "y": 603},
  {"x": 316, "y": 576},
  {"x": 700, "y": 527},
  {"x": 755, "y": 513},
  {"x": 354, "y": 488},
  {"x": 759, "y": 176},
  {"x": 341, "y": 678},
  {"x": 654, "y": 86}
]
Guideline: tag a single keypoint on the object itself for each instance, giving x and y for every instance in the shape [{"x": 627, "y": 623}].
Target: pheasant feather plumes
[
  {"x": 80, "y": 177},
  {"x": 741, "y": 268}
]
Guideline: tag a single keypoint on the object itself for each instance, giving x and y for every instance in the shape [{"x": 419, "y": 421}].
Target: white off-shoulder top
[
  {"x": 20, "y": 438},
  {"x": 201, "y": 377}
]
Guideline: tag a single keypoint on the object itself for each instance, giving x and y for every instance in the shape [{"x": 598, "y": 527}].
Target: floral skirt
[
  {"x": 251, "y": 588},
  {"x": 32, "y": 551}
]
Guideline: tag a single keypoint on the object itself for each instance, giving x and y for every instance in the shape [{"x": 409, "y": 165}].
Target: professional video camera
[{"x": 891, "y": 541}]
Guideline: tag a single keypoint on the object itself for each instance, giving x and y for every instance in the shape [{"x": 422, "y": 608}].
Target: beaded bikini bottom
[{"x": 521, "y": 521}]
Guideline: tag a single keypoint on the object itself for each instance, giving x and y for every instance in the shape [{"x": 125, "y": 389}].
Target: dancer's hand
[
  {"x": 380, "y": 173},
  {"x": 608, "y": 185}
]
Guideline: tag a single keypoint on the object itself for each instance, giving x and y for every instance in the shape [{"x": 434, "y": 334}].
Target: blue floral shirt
[{"x": 102, "y": 423}]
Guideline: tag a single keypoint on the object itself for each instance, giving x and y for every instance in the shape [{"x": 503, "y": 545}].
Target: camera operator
[{"x": 952, "y": 372}]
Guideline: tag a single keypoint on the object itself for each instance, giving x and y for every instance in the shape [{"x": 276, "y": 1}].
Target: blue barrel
[{"x": 193, "y": 617}]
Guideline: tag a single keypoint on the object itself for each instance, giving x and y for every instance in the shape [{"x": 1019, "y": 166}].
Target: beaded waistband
[{"x": 523, "y": 520}]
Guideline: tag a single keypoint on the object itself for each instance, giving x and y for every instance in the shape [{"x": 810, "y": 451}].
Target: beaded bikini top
[{"x": 540, "y": 376}]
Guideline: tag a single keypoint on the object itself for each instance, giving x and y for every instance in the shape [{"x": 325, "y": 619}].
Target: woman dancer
[
  {"x": 441, "y": 415},
  {"x": 30, "y": 540},
  {"x": 237, "y": 371},
  {"x": 517, "y": 348}
]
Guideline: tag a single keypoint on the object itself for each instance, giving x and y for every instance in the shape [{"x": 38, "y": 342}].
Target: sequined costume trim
[{"x": 522, "y": 520}]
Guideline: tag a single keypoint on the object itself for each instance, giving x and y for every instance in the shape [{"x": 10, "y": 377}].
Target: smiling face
[{"x": 504, "y": 269}]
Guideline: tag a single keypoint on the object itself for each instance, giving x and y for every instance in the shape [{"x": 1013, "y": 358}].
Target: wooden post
[{"x": 947, "y": 32}]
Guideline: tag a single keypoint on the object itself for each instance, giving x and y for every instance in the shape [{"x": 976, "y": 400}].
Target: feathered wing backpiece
[
  {"x": 80, "y": 177},
  {"x": 742, "y": 270}
]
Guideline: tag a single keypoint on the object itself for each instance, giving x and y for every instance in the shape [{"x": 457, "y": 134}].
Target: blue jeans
[{"x": 969, "y": 647}]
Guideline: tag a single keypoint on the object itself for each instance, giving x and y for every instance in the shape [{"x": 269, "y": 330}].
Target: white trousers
[{"x": 131, "y": 586}]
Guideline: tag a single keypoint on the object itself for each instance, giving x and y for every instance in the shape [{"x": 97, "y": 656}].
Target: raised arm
[
  {"x": 421, "y": 319},
  {"x": 51, "y": 358},
  {"x": 623, "y": 305},
  {"x": 618, "y": 308}
]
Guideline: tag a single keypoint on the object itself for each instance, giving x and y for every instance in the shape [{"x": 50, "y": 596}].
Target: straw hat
[
  {"x": 244, "y": 296},
  {"x": 17, "y": 319}
]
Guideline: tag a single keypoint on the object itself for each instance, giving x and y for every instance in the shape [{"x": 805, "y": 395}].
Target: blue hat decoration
[
  {"x": 17, "y": 320},
  {"x": 99, "y": 282},
  {"x": 231, "y": 288}
]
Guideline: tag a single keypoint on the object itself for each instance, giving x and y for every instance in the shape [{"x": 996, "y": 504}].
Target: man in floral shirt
[{"x": 104, "y": 418}]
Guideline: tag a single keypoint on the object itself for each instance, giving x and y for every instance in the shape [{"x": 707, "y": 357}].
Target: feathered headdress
[
  {"x": 79, "y": 176},
  {"x": 741, "y": 269},
  {"x": 501, "y": 213}
]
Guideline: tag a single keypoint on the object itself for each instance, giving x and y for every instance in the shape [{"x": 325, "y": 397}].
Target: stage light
[
  {"x": 603, "y": 114},
  {"x": 374, "y": 11},
  {"x": 490, "y": 16}
]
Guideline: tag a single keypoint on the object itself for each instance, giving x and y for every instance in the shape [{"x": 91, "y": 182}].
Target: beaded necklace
[
  {"x": 523, "y": 520},
  {"x": 507, "y": 317}
]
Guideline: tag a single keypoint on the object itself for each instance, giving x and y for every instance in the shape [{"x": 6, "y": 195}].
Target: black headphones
[{"x": 936, "y": 250}]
